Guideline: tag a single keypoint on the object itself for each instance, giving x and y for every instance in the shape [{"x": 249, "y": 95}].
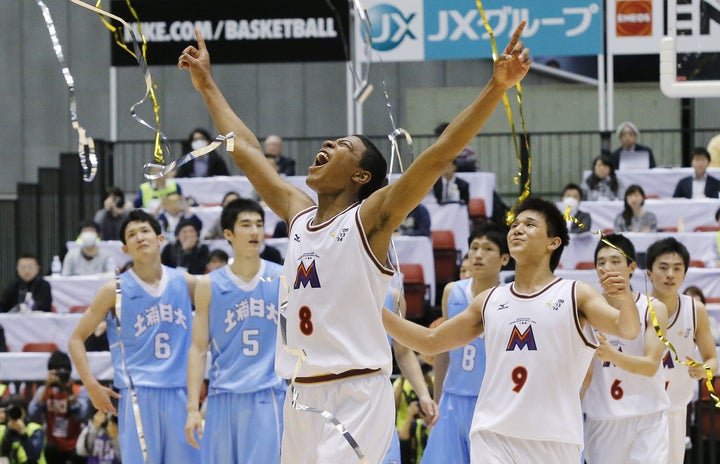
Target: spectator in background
[
  {"x": 631, "y": 155},
  {"x": 209, "y": 165},
  {"x": 701, "y": 184},
  {"x": 215, "y": 232},
  {"x": 465, "y": 161},
  {"x": 175, "y": 208},
  {"x": 187, "y": 252},
  {"x": 217, "y": 259},
  {"x": 153, "y": 191},
  {"x": 416, "y": 223},
  {"x": 63, "y": 406},
  {"x": 113, "y": 213},
  {"x": 273, "y": 147},
  {"x": 634, "y": 218},
  {"x": 696, "y": 293},
  {"x": 21, "y": 442},
  {"x": 572, "y": 196},
  {"x": 29, "y": 291},
  {"x": 98, "y": 340},
  {"x": 88, "y": 258},
  {"x": 602, "y": 183},
  {"x": 451, "y": 189},
  {"x": 99, "y": 440}
]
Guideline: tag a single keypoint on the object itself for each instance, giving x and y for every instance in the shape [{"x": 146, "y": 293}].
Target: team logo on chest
[
  {"x": 555, "y": 305},
  {"x": 668, "y": 361},
  {"x": 340, "y": 235},
  {"x": 522, "y": 339},
  {"x": 307, "y": 273}
]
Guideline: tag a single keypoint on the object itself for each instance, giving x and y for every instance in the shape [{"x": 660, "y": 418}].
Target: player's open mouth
[{"x": 321, "y": 159}]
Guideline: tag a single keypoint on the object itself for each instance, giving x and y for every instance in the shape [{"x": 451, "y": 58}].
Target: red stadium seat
[
  {"x": 79, "y": 308},
  {"x": 445, "y": 255},
  {"x": 696, "y": 263},
  {"x": 416, "y": 291},
  {"x": 585, "y": 265},
  {"x": 477, "y": 211},
  {"x": 47, "y": 347},
  {"x": 707, "y": 229}
]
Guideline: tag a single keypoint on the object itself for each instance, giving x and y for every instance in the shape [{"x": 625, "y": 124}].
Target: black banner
[{"x": 272, "y": 31}]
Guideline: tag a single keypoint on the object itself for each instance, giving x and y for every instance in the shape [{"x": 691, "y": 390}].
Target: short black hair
[
  {"x": 231, "y": 211},
  {"x": 665, "y": 246},
  {"x": 492, "y": 232},
  {"x": 374, "y": 162},
  {"x": 114, "y": 190},
  {"x": 29, "y": 255},
  {"x": 219, "y": 254},
  {"x": 717, "y": 215},
  {"x": 59, "y": 360},
  {"x": 701, "y": 151},
  {"x": 88, "y": 225},
  {"x": 554, "y": 221},
  {"x": 232, "y": 192},
  {"x": 573, "y": 186},
  {"x": 694, "y": 291},
  {"x": 619, "y": 241},
  {"x": 139, "y": 215},
  {"x": 440, "y": 128}
]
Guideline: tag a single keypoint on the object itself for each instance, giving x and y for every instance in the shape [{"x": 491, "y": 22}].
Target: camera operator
[
  {"x": 21, "y": 442},
  {"x": 99, "y": 440},
  {"x": 64, "y": 407},
  {"x": 113, "y": 213}
]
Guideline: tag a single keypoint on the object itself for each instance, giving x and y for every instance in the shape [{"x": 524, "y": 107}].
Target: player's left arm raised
[
  {"x": 705, "y": 343},
  {"x": 401, "y": 197},
  {"x": 623, "y": 321}
]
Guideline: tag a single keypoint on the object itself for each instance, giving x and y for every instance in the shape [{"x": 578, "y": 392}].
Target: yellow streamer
[
  {"x": 653, "y": 316},
  {"x": 117, "y": 34},
  {"x": 510, "y": 216}
]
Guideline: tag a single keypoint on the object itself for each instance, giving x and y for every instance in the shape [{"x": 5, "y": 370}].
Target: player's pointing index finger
[
  {"x": 515, "y": 37},
  {"x": 200, "y": 39}
]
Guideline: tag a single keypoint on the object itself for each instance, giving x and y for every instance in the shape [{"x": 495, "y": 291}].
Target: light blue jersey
[
  {"x": 449, "y": 441},
  {"x": 156, "y": 331},
  {"x": 243, "y": 330},
  {"x": 243, "y": 423},
  {"x": 467, "y": 364}
]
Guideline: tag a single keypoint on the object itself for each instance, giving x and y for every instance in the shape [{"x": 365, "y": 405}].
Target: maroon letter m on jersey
[
  {"x": 520, "y": 340},
  {"x": 307, "y": 276}
]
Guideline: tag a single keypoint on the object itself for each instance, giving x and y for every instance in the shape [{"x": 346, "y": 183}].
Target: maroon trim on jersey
[
  {"x": 363, "y": 238},
  {"x": 315, "y": 228},
  {"x": 533, "y": 295},
  {"x": 677, "y": 314},
  {"x": 305, "y": 211},
  {"x": 485, "y": 304},
  {"x": 576, "y": 317}
]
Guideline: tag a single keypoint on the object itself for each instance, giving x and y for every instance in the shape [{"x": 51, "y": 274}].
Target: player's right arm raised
[{"x": 283, "y": 198}]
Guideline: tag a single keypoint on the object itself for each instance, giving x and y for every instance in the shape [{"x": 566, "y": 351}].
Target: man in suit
[
  {"x": 631, "y": 155},
  {"x": 572, "y": 195},
  {"x": 273, "y": 149},
  {"x": 450, "y": 188},
  {"x": 701, "y": 185}
]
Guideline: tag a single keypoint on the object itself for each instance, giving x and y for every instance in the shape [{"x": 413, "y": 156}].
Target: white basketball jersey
[
  {"x": 615, "y": 393},
  {"x": 537, "y": 357},
  {"x": 336, "y": 292},
  {"x": 681, "y": 333}
]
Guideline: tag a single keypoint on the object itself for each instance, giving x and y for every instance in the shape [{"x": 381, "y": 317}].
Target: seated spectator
[
  {"x": 113, "y": 213},
  {"x": 634, "y": 218},
  {"x": 88, "y": 258},
  {"x": 465, "y": 160},
  {"x": 602, "y": 183},
  {"x": 99, "y": 440},
  {"x": 217, "y": 259},
  {"x": 187, "y": 252},
  {"x": 451, "y": 189},
  {"x": 175, "y": 208},
  {"x": 215, "y": 232},
  {"x": 21, "y": 441},
  {"x": 696, "y": 293},
  {"x": 273, "y": 147},
  {"x": 416, "y": 223},
  {"x": 98, "y": 340},
  {"x": 272, "y": 254},
  {"x": 572, "y": 196},
  {"x": 209, "y": 165},
  {"x": 29, "y": 291},
  {"x": 63, "y": 406},
  {"x": 280, "y": 230},
  {"x": 631, "y": 155},
  {"x": 701, "y": 184},
  {"x": 153, "y": 191}
]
